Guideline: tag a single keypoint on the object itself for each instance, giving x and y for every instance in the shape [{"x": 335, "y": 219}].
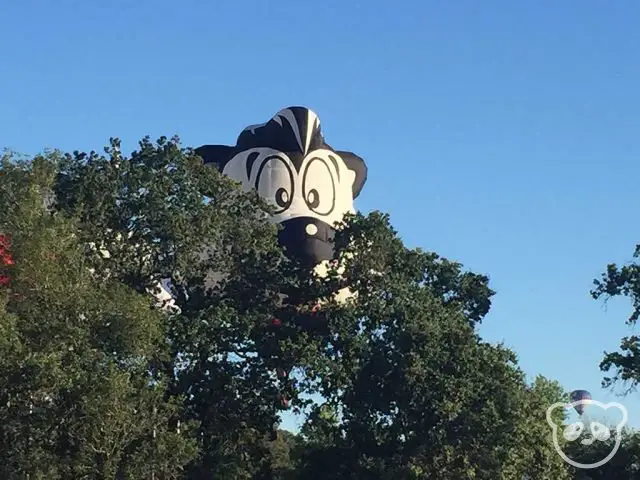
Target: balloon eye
[
  {"x": 318, "y": 187},
  {"x": 276, "y": 185},
  {"x": 313, "y": 198},
  {"x": 282, "y": 197}
]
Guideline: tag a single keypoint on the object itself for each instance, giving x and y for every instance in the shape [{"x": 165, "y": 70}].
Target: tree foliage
[
  {"x": 78, "y": 399},
  {"x": 618, "y": 281},
  {"x": 97, "y": 382},
  {"x": 624, "y": 464},
  {"x": 622, "y": 282},
  {"x": 162, "y": 214}
]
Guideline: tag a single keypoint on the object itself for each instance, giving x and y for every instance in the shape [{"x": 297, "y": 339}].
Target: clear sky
[{"x": 501, "y": 134}]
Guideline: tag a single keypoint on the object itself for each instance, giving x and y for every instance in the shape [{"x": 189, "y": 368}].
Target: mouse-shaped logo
[{"x": 589, "y": 431}]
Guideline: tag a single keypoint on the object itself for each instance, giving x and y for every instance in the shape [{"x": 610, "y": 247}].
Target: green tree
[
  {"x": 283, "y": 456},
  {"x": 410, "y": 389},
  {"x": 418, "y": 393},
  {"x": 162, "y": 214},
  {"x": 533, "y": 453},
  {"x": 77, "y": 397},
  {"x": 621, "y": 367},
  {"x": 625, "y": 464},
  {"x": 622, "y": 282}
]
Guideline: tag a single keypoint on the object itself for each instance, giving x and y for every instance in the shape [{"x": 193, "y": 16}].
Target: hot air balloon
[
  {"x": 579, "y": 396},
  {"x": 311, "y": 185}
]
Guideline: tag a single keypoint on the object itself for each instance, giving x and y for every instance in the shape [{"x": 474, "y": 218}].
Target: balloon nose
[
  {"x": 307, "y": 239},
  {"x": 311, "y": 229}
]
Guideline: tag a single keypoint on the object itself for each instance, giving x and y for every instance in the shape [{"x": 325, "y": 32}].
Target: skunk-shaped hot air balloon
[{"x": 311, "y": 185}]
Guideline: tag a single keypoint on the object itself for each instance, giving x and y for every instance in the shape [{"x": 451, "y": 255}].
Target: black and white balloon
[{"x": 310, "y": 184}]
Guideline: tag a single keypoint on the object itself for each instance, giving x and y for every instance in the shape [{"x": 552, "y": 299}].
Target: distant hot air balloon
[{"x": 580, "y": 396}]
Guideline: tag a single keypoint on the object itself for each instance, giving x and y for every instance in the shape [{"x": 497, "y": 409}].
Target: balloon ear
[
  {"x": 356, "y": 165},
  {"x": 216, "y": 155}
]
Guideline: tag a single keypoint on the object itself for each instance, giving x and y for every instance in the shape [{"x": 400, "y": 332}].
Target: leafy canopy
[{"x": 119, "y": 388}]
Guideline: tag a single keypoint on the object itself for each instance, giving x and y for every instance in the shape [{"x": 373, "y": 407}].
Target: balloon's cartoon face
[
  {"x": 311, "y": 185},
  {"x": 587, "y": 432}
]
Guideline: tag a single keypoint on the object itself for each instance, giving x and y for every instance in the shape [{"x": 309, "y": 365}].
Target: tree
[
  {"x": 162, "y": 214},
  {"x": 619, "y": 281},
  {"x": 158, "y": 214},
  {"x": 410, "y": 389},
  {"x": 283, "y": 456},
  {"x": 77, "y": 398},
  {"x": 624, "y": 464},
  {"x": 534, "y": 453},
  {"x": 622, "y": 282},
  {"x": 419, "y": 394}
]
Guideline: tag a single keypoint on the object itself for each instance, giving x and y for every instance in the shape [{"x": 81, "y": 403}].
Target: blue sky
[{"x": 502, "y": 134}]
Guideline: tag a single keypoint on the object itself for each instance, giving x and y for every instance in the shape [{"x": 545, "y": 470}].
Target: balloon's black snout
[{"x": 308, "y": 239}]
